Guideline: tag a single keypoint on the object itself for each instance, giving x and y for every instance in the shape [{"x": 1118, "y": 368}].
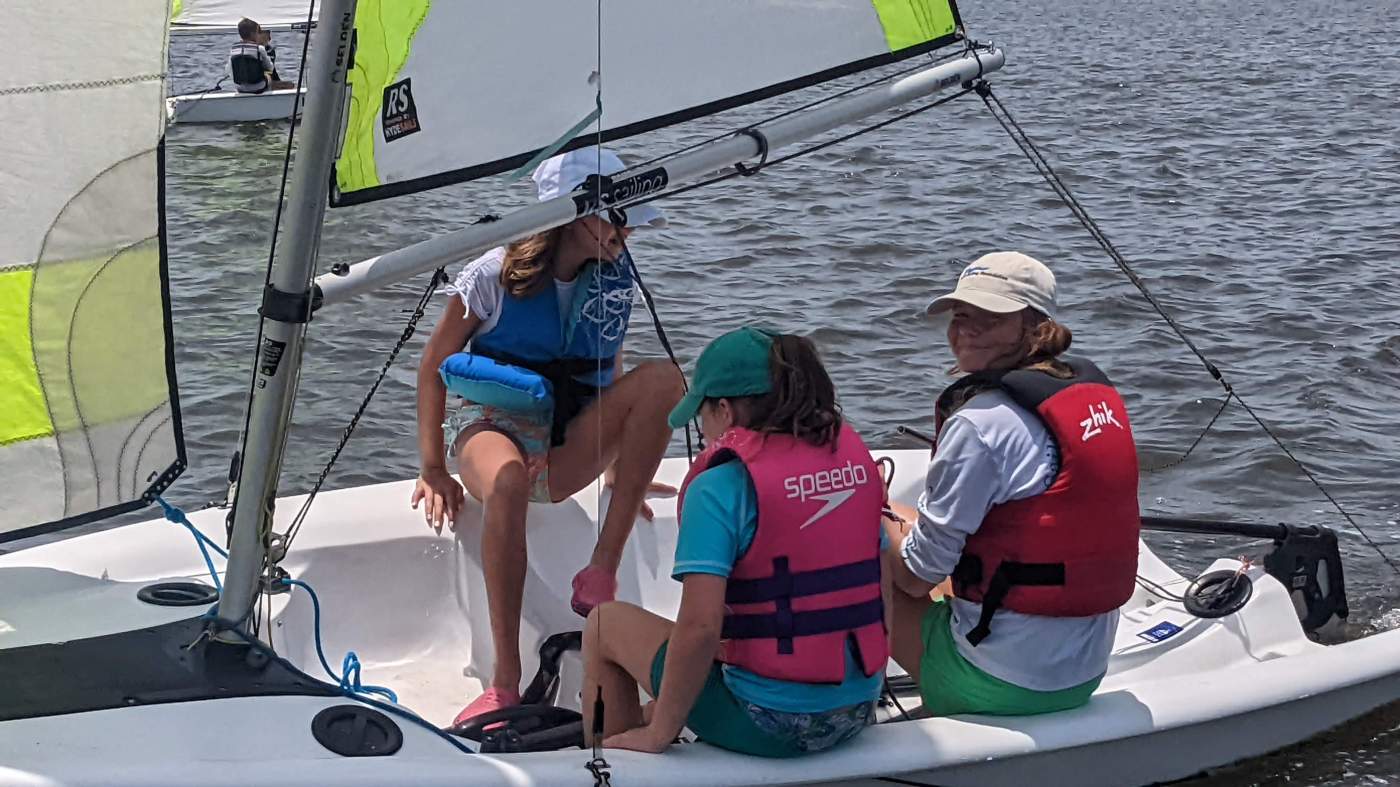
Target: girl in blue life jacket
[
  {"x": 780, "y": 646},
  {"x": 545, "y": 406},
  {"x": 1029, "y": 510}
]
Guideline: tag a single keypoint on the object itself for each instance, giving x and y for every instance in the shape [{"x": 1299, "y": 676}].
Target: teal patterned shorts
[
  {"x": 722, "y": 719},
  {"x": 530, "y": 433}
]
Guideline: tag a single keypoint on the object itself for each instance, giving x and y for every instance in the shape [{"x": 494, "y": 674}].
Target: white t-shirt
[
  {"x": 990, "y": 451},
  {"x": 479, "y": 287}
]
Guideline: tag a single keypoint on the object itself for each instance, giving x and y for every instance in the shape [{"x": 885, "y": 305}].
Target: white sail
[
  {"x": 448, "y": 91},
  {"x": 88, "y": 418},
  {"x": 202, "y": 16}
]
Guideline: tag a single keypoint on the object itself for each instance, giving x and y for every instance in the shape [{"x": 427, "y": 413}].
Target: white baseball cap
[
  {"x": 1002, "y": 282},
  {"x": 557, "y": 176}
]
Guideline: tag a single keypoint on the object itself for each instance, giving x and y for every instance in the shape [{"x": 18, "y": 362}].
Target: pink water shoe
[{"x": 490, "y": 700}]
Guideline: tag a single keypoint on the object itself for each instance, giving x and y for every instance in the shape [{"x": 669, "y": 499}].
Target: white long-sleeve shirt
[{"x": 991, "y": 451}]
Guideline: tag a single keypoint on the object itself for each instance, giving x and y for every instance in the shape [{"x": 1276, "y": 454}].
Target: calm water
[{"x": 1241, "y": 154}]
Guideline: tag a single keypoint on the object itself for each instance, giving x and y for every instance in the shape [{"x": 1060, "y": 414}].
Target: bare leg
[
  {"x": 626, "y": 423},
  {"x": 493, "y": 471},
  {"x": 906, "y": 631},
  {"x": 618, "y": 662}
]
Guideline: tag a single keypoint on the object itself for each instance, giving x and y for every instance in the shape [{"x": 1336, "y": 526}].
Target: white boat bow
[{"x": 412, "y": 605}]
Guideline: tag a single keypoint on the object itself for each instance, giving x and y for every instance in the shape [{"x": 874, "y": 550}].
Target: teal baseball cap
[{"x": 735, "y": 364}]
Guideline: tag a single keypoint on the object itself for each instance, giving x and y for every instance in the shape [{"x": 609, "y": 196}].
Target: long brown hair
[
  {"x": 803, "y": 400},
  {"x": 528, "y": 262}
]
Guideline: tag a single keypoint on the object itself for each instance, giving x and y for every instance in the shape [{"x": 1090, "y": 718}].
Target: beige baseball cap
[{"x": 1002, "y": 282}]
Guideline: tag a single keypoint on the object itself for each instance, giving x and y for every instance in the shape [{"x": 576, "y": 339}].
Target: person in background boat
[
  {"x": 780, "y": 512},
  {"x": 266, "y": 40},
  {"x": 249, "y": 65},
  {"x": 1030, "y": 508},
  {"x": 552, "y": 310}
]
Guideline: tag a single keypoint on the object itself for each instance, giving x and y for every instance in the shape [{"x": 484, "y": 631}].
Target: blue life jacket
[{"x": 542, "y": 362}]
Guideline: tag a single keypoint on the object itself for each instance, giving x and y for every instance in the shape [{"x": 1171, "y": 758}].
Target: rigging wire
[
  {"x": 267, "y": 282},
  {"x": 439, "y": 276},
  {"x": 735, "y": 173},
  {"x": 1062, "y": 190},
  {"x": 598, "y": 766},
  {"x": 917, "y": 66},
  {"x": 1202, "y": 436}
]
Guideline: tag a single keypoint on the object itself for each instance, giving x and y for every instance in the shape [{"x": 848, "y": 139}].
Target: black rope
[
  {"x": 1042, "y": 166},
  {"x": 665, "y": 342},
  {"x": 1158, "y": 591},
  {"x": 439, "y": 277},
  {"x": 889, "y": 692},
  {"x": 1174, "y": 462},
  {"x": 762, "y": 140}
]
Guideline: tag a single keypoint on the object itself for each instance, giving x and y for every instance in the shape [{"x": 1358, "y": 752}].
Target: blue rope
[
  {"x": 177, "y": 516},
  {"x": 349, "y": 677},
  {"x": 394, "y": 710}
]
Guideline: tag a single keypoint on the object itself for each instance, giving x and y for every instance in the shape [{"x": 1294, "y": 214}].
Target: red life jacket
[
  {"x": 810, "y": 581},
  {"x": 1072, "y": 550}
]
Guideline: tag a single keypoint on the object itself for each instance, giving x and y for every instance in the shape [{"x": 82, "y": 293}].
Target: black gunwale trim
[
  {"x": 166, "y": 478},
  {"x": 427, "y": 182}
]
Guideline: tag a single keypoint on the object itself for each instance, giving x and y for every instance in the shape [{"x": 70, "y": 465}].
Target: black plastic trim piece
[
  {"x": 356, "y": 731},
  {"x": 289, "y": 307},
  {"x": 173, "y": 662},
  {"x": 178, "y": 594},
  {"x": 340, "y": 200}
]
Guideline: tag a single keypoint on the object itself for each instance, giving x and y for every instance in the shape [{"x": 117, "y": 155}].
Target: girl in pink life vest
[
  {"x": 780, "y": 645},
  {"x": 1030, "y": 509}
]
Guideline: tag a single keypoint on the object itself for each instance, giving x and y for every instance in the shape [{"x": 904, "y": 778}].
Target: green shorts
[
  {"x": 722, "y": 719},
  {"x": 950, "y": 685}
]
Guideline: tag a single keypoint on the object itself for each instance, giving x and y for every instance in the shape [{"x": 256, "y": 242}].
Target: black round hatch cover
[
  {"x": 178, "y": 594},
  {"x": 1218, "y": 594},
  {"x": 356, "y": 731}
]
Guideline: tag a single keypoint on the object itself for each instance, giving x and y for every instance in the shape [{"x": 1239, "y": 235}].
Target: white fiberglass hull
[
  {"x": 231, "y": 107},
  {"x": 411, "y": 604}
]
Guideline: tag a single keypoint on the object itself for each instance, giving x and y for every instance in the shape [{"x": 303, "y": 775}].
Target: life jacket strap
[
  {"x": 570, "y": 395},
  {"x": 785, "y": 624},
  {"x": 1007, "y": 575},
  {"x": 803, "y": 583}
]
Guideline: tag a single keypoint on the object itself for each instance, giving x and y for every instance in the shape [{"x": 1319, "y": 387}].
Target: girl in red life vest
[
  {"x": 780, "y": 645},
  {"x": 1030, "y": 509}
]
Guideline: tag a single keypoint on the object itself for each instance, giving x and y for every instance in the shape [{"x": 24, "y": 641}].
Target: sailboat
[
  {"x": 135, "y": 656},
  {"x": 220, "y": 17}
]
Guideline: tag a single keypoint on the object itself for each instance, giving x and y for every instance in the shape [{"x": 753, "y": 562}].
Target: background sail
[
  {"x": 445, "y": 91},
  {"x": 200, "y": 16},
  {"x": 89, "y": 422}
]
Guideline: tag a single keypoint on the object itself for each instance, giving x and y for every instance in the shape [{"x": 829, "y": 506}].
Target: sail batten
[
  {"x": 89, "y": 421},
  {"x": 443, "y": 93}
]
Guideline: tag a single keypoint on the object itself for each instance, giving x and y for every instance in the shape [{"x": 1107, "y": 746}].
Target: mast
[
  {"x": 286, "y": 307},
  {"x": 349, "y": 281}
]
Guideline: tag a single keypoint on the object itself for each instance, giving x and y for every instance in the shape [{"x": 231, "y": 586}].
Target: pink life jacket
[{"x": 810, "y": 581}]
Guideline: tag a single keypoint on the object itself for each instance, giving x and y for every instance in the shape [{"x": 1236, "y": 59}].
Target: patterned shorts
[
  {"x": 813, "y": 732},
  {"x": 529, "y": 431}
]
